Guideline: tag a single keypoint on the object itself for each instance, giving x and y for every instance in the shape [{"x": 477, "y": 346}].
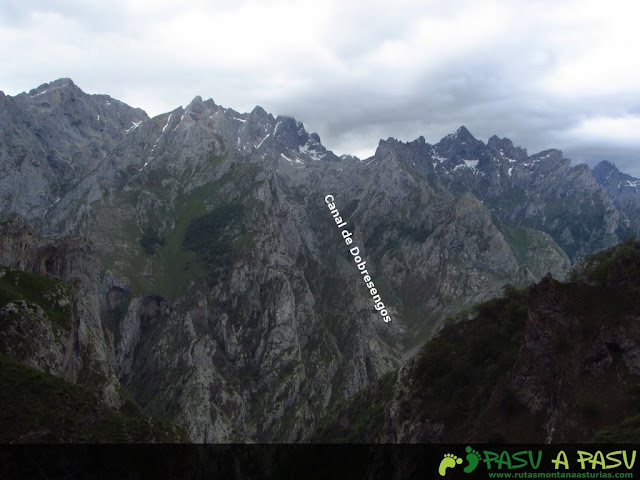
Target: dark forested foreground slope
[
  {"x": 40, "y": 404},
  {"x": 41, "y": 408},
  {"x": 205, "y": 272},
  {"x": 554, "y": 362}
]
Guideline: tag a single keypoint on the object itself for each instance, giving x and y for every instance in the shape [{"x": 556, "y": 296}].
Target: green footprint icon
[
  {"x": 449, "y": 461},
  {"x": 473, "y": 457}
]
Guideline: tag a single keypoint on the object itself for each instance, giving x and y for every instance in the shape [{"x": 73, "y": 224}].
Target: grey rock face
[
  {"x": 51, "y": 138},
  {"x": 84, "y": 355},
  {"x": 29, "y": 337},
  {"x": 623, "y": 190},
  {"x": 229, "y": 300}
]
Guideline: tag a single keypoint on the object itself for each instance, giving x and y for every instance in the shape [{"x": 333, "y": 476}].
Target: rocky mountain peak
[
  {"x": 387, "y": 146},
  {"x": 297, "y": 144},
  {"x": 259, "y": 112},
  {"x": 62, "y": 82},
  {"x": 55, "y": 85},
  {"x": 58, "y": 93},
  {"x": 196, "y": 103},
  {"x": 608, "y": 175},
  {"x": 496, "y": 143},
  {"x": 63, "y": 134},
  {"x": 622, "y": 188},
  {"x": 460, "y": 145},
  {"x": 504, "y": 148},
  {"x": 463, "y": 134},
  {"x": 604, "y": 170}
]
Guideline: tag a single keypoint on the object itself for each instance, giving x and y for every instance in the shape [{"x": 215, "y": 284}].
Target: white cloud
[
  {"x": 619, "y": 130},
  {"x": 598, "y": 41}
]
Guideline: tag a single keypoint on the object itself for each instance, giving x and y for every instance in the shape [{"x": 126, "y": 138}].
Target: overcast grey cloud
[{"x": 560, "y": 74}]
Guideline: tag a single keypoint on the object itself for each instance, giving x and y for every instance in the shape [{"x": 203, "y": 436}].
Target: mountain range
[{"x": 205, "y": 278}]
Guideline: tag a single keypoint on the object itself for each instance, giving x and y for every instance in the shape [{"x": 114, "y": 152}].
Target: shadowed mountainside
[{"x": 555, "y": 362}]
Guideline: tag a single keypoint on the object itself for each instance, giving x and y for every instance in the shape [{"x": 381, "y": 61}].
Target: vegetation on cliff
[{"x": 39, "y": 407}]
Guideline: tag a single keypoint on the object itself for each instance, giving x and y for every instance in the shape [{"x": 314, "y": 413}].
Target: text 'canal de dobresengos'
[{"x": 361, "y": 264}]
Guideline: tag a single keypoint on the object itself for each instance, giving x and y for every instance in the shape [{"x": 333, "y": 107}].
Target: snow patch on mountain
[
  {"x": 134, "y": 125},
  {"x": 471, "y": 163},
  {"x": 165, "y": 127},
  {"x": 262, "y": 141},
  {"x": 305, "y": 150}
]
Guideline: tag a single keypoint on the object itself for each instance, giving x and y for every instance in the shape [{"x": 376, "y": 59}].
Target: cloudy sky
[{"x": 561, "y": 74}]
